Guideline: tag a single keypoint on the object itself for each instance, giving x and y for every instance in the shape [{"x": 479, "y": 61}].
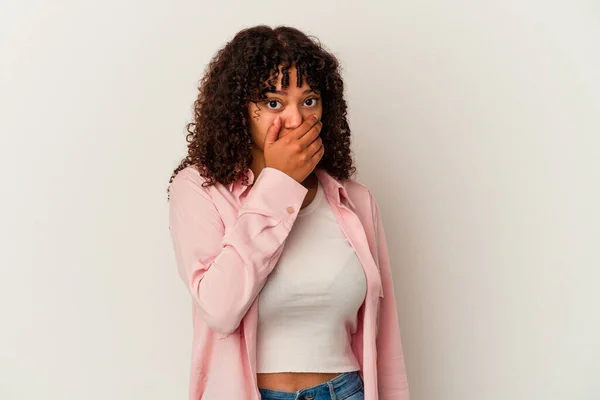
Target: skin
[{"x": 294, "y": 106}]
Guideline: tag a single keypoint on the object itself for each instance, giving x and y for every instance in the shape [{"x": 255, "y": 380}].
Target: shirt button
[{"x": 290, "y": 210}]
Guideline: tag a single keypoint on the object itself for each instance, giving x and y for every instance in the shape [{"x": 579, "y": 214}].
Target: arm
[
  {"x": 225, "y": 273},
  {"x": 392, "y": 380}
]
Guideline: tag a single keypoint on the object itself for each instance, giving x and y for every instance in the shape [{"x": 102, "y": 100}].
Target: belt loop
[{"x": 331, "y": 391}]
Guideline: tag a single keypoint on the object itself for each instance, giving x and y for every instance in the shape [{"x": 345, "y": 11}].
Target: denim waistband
[{"x": 339, "y": 387}]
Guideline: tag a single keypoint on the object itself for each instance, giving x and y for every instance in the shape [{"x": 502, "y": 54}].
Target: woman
[{"x": 283, "y": 252}]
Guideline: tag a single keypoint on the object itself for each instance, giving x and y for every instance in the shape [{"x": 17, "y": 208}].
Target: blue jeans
[{"x": 346, "y": 386}]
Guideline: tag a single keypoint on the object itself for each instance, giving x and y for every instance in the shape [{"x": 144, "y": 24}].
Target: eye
[
  {"x": 312, "y": 102},
  {"x": 272, "y": 104}
]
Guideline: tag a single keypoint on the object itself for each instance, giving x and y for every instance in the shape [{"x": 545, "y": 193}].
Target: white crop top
[{"x": 307, "y": 310}]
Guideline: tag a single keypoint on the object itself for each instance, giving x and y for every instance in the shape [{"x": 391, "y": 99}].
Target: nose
[{"x": 292, "y": 119}]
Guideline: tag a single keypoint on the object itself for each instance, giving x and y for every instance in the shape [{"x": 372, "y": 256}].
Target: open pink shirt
[{"x": 228, "y": 238}]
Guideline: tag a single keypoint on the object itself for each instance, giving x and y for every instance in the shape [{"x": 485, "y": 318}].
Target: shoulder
[
  {"x": 187, "y": 182},
  {"x": 355, "y": 185},
  {"x": 189, "y": 174},
  {"x": 359, "y": 193}
]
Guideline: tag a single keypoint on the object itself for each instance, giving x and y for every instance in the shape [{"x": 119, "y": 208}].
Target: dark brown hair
[{"x": 243, "y": 71}]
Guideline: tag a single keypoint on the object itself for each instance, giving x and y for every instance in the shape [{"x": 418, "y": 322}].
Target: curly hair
[{"x": 243, "y": 71}]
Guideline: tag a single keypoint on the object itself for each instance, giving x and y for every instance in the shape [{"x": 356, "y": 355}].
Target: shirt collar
[{"x": 332, "y": 187}]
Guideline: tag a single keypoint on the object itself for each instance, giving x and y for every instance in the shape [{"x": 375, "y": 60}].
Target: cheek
[
  {"x": 318, "y": 110},
  {"x": 259, "y": 124}
]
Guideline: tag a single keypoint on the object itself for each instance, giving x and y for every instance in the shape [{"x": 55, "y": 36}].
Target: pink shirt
[{"x": 228, "y": 238}]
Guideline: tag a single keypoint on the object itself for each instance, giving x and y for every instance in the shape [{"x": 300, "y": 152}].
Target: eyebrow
[{"x": 283, "y": 92}]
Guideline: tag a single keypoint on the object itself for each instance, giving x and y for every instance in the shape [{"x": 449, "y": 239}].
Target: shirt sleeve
[
  {"x": 225, "y": 272},
  {"x": 391, "y": 370}
]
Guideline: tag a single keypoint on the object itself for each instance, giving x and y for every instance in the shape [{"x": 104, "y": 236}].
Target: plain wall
[{"x": 476, "y": 124}]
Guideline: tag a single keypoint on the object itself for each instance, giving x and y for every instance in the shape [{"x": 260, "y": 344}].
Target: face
[{"x": 293, "y": 104}]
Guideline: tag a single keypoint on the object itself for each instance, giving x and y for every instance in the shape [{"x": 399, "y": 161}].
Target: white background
[{"x": 476, "y": 124}]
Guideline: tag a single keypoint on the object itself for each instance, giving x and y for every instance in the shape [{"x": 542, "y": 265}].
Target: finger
[
  {"x": 311, "y": 135},
  {"x": 305, "y": 127},
  {"x": 315, "y": 147},
  {"x": 318, "y": 154},
  {"x": 273, "y": 131}
]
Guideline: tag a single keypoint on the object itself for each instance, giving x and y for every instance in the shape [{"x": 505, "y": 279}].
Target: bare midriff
[{"x": 292, "y": 381}]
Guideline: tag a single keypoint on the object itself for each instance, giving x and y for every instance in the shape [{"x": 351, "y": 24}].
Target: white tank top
[{"x": 307, "y": 310}]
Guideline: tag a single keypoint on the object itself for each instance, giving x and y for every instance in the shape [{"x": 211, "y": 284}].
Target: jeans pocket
[{"x": 358, "y": 395}]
